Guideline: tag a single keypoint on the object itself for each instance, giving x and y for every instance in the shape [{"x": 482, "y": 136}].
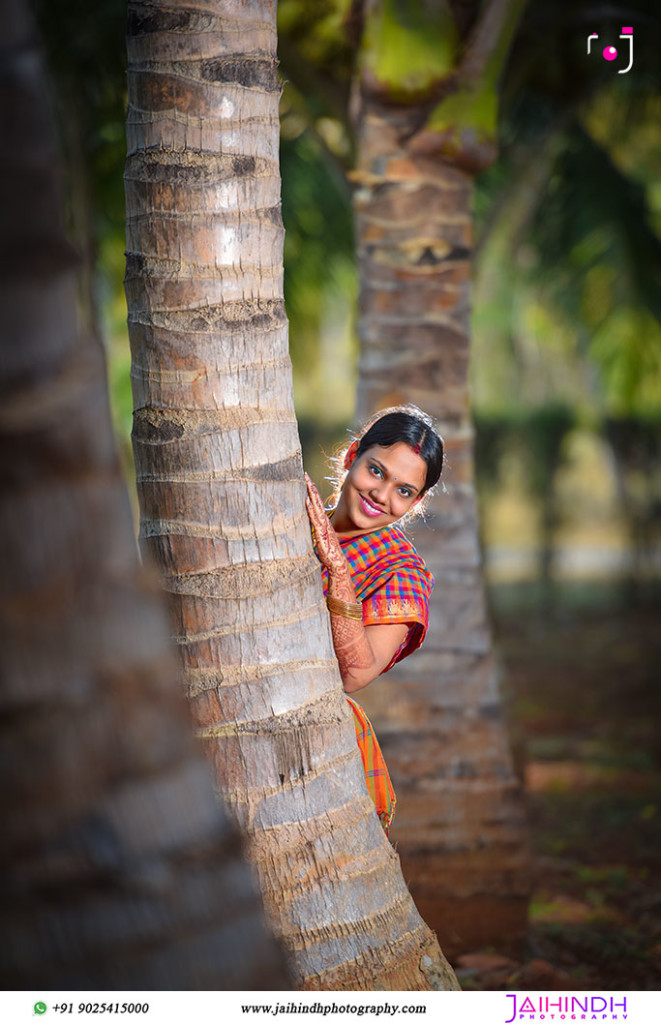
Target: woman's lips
[{"x": 368, "y": 508}]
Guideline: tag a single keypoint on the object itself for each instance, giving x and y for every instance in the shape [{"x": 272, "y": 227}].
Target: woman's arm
[
  {"x": 362, "y": 651},
  {"x": 383, "y": 641}
]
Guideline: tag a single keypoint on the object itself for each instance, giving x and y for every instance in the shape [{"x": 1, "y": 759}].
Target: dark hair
[{"x": 413, "y": 427}]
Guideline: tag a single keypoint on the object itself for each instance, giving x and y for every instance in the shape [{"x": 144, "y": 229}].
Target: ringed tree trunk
[
  {"x": 119, "y": 869},
  {"x": 222, "y": 495},
  {"x": 459, "y": 826}
]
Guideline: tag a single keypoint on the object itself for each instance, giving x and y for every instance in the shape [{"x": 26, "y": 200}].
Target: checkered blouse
[{"x": 392, "y": 582}]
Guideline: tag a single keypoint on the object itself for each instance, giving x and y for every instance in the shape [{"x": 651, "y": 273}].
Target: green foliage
[
  {"x": 493, "y": 436},
  {"x": 602, "y": 268},
  {"x": 409, "y": 47},
  {"x": 319, "y": 243},
  {"x": 585, "y": 252},
  {"x": 86, "y": 56},
  {"x": 535, "y": 435},
  {"x": 498, "y": 57},
  {"x": 317, "y": 57},
  {"x": 603, "y": 216},
  {"x": 627, "y": 347},
  {"x": 473, "y": 110},
  {"x": 636, "y": 446},
  {"x": 545, "y": 432},
  {"x": 318, "y": 30},
  {"x": 637, "y": 441},
  {"x": 587, "y": 247}
]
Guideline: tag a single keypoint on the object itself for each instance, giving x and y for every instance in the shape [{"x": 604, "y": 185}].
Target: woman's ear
[{"x": 351, "y": 454}]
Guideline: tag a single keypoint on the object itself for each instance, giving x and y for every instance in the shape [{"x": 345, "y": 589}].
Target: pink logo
[
  {"x": 549, "y": 1008},
  {"x": 609, "y": 53}
]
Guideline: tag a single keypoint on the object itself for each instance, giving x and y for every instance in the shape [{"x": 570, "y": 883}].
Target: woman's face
[{"x": 380, "y": 487}]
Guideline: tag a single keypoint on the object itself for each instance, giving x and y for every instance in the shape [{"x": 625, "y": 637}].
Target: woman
[{"x": 376, "y": 585}]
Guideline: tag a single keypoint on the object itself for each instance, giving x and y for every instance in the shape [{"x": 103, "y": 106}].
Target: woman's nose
[{"x": 380, "y": 491}]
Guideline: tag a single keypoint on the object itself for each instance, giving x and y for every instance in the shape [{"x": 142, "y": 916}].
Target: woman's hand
[{"x": 329, "y": 548}]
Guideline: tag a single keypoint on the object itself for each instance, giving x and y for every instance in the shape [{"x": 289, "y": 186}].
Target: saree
[
  {"x": 393, "y": 585},
  {"x": 377, "y": 776}
]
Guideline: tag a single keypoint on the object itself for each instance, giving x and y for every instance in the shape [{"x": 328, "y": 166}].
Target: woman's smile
[{"x": 370, "y": 509}]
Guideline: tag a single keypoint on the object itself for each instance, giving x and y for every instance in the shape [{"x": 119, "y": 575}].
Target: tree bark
[
  {"x": 119, "y": 869},
  {"x": 222, "y": 495},
  {"x": 459, "y": 824}
]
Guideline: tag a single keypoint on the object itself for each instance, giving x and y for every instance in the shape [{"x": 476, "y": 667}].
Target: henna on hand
[
  {"x": 352, "y": 648},
  {"x": 328, "y": 545}
]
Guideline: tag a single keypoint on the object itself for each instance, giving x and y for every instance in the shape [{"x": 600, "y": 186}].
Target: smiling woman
[{"x": 376, "y": 585}]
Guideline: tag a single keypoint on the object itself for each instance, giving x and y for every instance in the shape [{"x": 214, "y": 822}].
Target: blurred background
[{"x": 566, "y": 393}]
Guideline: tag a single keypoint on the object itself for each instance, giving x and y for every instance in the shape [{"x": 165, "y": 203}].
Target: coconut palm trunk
[
  {"x": 119, "y": 869},
  {"x": 222, "y": 496},
  {"x": 459, "y": 824}
]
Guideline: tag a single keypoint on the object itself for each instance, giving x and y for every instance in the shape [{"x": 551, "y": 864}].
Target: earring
[{"x": 351, "y": 454}]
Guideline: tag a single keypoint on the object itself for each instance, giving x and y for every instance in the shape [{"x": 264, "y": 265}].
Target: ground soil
[{"x": 582, "y": 688}]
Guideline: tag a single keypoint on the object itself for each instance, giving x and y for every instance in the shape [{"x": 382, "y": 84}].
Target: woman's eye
[
  {"x": 376, "y": 470},
  {"x": 404, "y": 492}
]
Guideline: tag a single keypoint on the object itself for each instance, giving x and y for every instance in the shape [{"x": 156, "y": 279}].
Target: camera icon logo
[{"x": 610, "y": 53}]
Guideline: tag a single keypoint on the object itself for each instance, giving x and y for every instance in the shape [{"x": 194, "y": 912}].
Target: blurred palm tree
[{"x": 427, "y": 124}]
